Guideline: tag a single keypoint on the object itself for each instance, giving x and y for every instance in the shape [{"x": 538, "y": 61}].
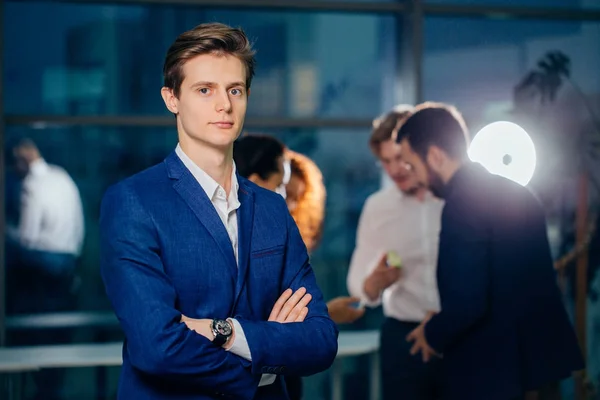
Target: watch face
[{"x": 223, "y": 328}]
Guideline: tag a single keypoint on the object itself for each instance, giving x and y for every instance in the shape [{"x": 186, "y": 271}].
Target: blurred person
[
  {"x": 305, "y": 197},
  {"x": 404, "y": 218},
  {"x": 262, "y": 159},
  {"x": 502, "y": 330},
  {"x": 205, "y": 269},
  {"x": 44, "y": 250}
]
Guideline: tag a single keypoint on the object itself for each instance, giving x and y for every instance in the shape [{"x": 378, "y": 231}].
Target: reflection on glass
[{"x": 107, "y": 59}]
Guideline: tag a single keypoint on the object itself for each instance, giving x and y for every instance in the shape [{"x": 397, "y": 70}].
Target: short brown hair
[
  {"x": 384, "y": 128},
  {"x": 208, "y": 38},
  {"x": 436, "y": 124}
]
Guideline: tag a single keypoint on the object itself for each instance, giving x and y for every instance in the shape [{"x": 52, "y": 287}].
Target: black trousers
[
  {"x": 405, "y": 377},
  {"x": 294, "y": 387}
]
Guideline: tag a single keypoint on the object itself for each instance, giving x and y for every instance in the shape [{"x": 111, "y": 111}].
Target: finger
[
  {"x": 382, "y": 264},
  {"x": 414, "y": 349},
  {"x": 354, "y": 314},
  {"x": 393, "y": 273},
  {"x": 290, "y": 304},
  {"x": 359, "y": 312},
  {"x": 298, "y": 308},
  {"x": 279, "y": 304},
  {"x": 411, "y": 336},
  {"x": 302, "y": 315},
  {"x": 350, "y": 300},
  {"x": 426, "y": 356}
]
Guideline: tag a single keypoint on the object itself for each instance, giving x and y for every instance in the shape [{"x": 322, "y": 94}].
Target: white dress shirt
[
  {"x": 391, "y": 220},
  {"x": 51, "y": 212},
  {"x": 226, "y": 207}
]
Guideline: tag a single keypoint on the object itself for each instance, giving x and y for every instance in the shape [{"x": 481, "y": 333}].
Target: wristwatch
[{"x": 222, "y": 331}]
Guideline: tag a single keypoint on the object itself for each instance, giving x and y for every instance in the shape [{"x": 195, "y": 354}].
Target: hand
[
  {"x": 291, "y": 307},
  {"x": 341, "y": 310},
  {"x": 420, "y": 343},
  {"x": 381, "y": 278},
  {"x": 200, "y": 326},
  {"x": 428, "y": 316},
  {"x": 204, "y": 328}
]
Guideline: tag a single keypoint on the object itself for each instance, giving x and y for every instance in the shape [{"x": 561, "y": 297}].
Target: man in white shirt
[
  {"x": 403, "y": 218},
  {"x": 45, "y": 246},
  {"x": 49, "y": 235},
  {"x": 51, "y": 215}
]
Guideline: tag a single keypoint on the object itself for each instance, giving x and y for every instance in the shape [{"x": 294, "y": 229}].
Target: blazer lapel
[
  {"x": 245, "y": 217},
  {"x": 192, "y": 193}
]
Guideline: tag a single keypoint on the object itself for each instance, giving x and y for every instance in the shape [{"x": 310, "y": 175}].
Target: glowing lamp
[{"x": 505, "y": 149}]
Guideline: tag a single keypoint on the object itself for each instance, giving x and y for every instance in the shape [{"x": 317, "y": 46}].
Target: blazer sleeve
[
  {"x": 145, "y": 303},
  {"x": 463, "y": 273},
  {"x": 303, "y": 348}
]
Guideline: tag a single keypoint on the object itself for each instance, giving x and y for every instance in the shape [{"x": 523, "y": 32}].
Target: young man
[
  {"x": 502, "y": 329},
  {"x": 199, "y": 263},
  {"x": 403, "y": 218}
]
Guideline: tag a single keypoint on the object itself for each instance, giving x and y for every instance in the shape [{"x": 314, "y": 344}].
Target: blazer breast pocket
[{"x": 268, "y": 252}]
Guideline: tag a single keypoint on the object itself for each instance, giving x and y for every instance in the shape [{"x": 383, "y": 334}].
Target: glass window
[
  {"x": 90, "y": 59},
  {"x": 571, "y": 4},
  {"x": 478, "y": 67},
  {"x": 97, "y": 157}
]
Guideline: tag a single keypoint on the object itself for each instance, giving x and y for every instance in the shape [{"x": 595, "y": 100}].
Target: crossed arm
[{"x": 290, "y": 307}]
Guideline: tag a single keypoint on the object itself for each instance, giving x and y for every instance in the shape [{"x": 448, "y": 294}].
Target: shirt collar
[
  {"x": 208, "y": 184},
  {"x": 38, "y": 167}
]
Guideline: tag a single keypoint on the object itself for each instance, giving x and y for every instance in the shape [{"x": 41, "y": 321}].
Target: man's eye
[
  {"x": 236, "y": 92},
  {"x": 204, "y": 90}
]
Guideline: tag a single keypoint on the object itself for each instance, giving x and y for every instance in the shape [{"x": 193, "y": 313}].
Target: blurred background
[{"x": 82, "y": 79}]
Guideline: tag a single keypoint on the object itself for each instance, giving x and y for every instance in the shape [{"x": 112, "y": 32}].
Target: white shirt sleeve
[
  {"x": 364, "y": 258},
  {"x": 240, "y": 348}
]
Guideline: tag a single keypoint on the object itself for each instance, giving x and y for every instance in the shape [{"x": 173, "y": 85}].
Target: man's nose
[{"x": 224, "y": 102}]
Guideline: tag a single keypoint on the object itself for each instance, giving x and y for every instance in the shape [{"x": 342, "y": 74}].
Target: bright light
[{"x": 505, "y": 149}]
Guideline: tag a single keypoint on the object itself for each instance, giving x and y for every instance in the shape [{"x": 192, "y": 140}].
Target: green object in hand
[{"x": 394, "y": 260}]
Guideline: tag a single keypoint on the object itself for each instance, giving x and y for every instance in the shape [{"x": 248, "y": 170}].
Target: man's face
[
  {"x": 425, "y": 175},
  {"x": 274, "y": 181},
  {"x": 391, "y": 159},
  {"x": 212, "y": 101},
  {"x": 22, "y": 157}
]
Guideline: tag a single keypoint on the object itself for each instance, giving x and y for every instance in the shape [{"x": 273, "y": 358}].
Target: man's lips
[{"x": 223, "y": 124}]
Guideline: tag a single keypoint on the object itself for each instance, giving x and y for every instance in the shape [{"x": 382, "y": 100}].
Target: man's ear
[
  {"x": 248, "y": 95},
  {"x": 170, "y": 99},
  {"x": 254, "y": 178},
  {"x": 436, "y": 157}
]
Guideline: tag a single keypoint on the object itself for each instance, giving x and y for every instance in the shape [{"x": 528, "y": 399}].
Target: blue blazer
[
  {"x": 503, "y": 328},
  {"x": 165, "y": 252}
]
